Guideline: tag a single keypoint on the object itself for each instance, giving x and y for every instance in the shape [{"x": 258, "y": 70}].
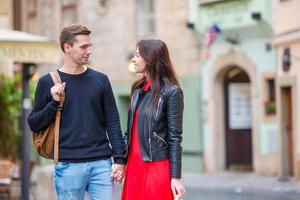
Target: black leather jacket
[{"x": 159, "y": 126}]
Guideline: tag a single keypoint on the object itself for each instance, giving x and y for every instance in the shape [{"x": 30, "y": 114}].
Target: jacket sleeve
[
  {"x": 126, "y": 134},
  {"x": 174, "y": 124},
  {"x": 113, "y": 125},
  {"x": 125, "y": 138},
  {"x": 44, "y": 109}
]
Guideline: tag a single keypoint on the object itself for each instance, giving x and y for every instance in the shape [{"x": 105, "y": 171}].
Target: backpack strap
[{"x": 56, "y": 79}]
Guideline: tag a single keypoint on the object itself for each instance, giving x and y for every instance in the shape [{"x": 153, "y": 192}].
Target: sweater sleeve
[
  {"x": 113, "y": 125},
  {"x": 44, "y": 109}
]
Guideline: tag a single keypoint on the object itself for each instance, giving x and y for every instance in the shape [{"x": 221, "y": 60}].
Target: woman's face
[{"x": 139, "y": 62}]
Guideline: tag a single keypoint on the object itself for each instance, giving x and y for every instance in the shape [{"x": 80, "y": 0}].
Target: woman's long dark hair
[{"x": 159, "y": 67}]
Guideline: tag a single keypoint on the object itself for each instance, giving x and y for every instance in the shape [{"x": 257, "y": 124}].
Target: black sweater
[{"x": 89, "y": 115}]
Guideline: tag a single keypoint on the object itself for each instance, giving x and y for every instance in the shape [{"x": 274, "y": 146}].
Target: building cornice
[
  {"x": 202, "y": 2},
  {"x": 286, "y": 37}
]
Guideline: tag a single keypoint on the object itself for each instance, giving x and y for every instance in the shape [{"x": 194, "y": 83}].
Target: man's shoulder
[
  {"x": 98, "y": 74},
  {"x": 46, "y": 79}
]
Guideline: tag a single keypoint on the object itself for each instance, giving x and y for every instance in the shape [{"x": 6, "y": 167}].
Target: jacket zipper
[
  {"x": 156, "y": 135},
  {"x": 158, "y": 107},
  {"x": 149, "y": 138}
]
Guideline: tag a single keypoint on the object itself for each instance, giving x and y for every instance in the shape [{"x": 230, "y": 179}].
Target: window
[
  {"x": 17, "y": 15},
  {"x": 146, "y": 17},
  {"x": 271, "y": 88},
  {"x": 32, "y": 23},
  {"x": 270, "y": 100},
  {"x": 69, "y": 13}
]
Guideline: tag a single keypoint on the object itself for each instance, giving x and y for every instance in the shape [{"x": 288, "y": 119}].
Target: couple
[{"x": 90, "y": 130}]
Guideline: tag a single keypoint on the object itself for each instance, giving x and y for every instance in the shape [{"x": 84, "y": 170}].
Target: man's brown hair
[{"x": 69, "y": 33}]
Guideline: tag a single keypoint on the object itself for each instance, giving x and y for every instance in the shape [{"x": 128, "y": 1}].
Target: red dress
[{"x": 145, "y": 180}]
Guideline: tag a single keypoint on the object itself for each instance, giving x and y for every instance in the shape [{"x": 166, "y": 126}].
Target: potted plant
[
  {"x": 270, "y": 107},
  {"x": 10, "y": 104}
]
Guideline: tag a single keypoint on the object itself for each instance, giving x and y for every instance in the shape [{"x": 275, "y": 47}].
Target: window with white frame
[{"x": 146, "y": 17}]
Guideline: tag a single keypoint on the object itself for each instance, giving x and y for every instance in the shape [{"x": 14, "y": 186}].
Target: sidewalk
[
  {"x": 240, "y": 182},
  {"x": 208, "y": 186}
]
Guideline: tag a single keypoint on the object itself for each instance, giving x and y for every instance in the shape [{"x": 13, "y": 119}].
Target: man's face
[{"x": 80, "y": 52}]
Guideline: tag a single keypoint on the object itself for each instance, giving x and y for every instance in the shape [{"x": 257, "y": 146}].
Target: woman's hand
[
  {"x": 118, "y": 172},
  {"x": 177, "y": 188}
]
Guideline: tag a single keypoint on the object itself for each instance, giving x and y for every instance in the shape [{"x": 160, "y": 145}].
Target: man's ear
[{"x": 67, "y": 47}]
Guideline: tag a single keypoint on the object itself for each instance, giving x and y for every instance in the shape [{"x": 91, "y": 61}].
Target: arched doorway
[
  {"x": 238, "y": 120},
  {"x": 215, "y": 156}
]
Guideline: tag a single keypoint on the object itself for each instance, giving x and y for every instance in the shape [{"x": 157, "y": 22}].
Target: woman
[{"x": 154, "y": 127}]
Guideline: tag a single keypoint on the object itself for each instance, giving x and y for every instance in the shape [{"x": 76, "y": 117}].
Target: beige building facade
[
  {"x": 6, "y": 17},
  {"x": 19, "y": 49},
  {"x": 116, "y": 27},
  {"x": 287, "y": 43}
]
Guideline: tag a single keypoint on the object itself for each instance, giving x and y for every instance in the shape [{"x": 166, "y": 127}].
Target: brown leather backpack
[{"x": 46, "y": 141}]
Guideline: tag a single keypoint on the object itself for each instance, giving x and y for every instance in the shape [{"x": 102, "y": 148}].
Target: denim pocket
[
  {"x": 109, "y": 161},
  {"x": 61, "y": 165}
]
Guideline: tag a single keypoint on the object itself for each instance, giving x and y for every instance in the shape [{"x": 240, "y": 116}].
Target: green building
[{"x": 240, "y": 127}]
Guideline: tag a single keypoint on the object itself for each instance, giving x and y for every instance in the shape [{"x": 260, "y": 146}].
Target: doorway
[
  {"x": 238, "y": 120},
  {"x": 287, "y": 130}
]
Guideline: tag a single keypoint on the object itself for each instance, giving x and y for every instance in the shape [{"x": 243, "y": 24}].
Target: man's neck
[{"x": 73, "y": 69}]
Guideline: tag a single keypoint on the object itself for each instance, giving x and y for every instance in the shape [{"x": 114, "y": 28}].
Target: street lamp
[
  {"x": 28, "y": 71},
  {"x": 286, "y": 60}
]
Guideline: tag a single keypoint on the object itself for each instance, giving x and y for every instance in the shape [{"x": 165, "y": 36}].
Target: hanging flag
[{"x": 210, "y": 36}]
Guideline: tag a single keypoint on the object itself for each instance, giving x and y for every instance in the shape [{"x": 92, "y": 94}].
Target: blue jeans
[{"x": 71, "y": 180}]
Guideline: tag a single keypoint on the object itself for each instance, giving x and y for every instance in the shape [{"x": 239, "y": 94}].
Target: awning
[{"x": 17, "y": 46}]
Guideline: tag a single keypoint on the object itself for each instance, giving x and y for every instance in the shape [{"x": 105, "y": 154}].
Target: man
[{"x": 89, "y": 115}]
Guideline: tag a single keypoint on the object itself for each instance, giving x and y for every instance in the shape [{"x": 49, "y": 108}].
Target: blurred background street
[
  {"x": 237, "y": 61},
  {"x": 236, "y": 186}
]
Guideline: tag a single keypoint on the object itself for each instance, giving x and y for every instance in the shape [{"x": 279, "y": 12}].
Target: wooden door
[
  {"x": 238, "y": 120},
  {"x": 287, "y": 128}
]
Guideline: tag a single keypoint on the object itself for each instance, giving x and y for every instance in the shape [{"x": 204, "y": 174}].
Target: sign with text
[
  {"x": 29, "y": 52},
  {"x": 228, "y": 14}
]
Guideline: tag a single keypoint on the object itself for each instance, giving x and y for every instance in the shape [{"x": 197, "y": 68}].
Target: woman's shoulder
[{"x": 171, "y": 88}]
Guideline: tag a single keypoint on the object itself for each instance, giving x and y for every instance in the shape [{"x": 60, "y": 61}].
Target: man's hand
[
  {"x": 118, "y": 172},
  {"x": 177, "y": 188},
  {"x": 57, "y": 90}
]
